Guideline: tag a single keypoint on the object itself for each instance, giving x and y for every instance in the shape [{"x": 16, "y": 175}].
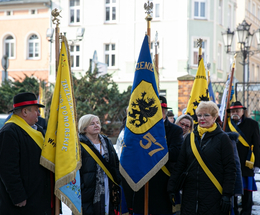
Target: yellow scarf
[
  {"x": 203, "y": 130},
  {"x": 34, "y": 134}
]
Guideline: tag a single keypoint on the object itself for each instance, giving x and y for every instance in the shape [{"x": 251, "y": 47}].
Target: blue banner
[
  {"x": 144, "y": 150},
  {"x": 211, "y": 92},
  {"x": 71, "y": 194}
]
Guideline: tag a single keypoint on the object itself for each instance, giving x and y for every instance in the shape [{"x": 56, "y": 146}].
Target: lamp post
[{"x": 244, "y": 38}]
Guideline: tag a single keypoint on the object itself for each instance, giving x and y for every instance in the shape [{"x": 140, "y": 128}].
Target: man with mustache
[{"x": 248, "y": 147}]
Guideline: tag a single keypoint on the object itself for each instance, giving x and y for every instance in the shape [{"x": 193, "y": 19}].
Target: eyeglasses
[
  {"x": 185, "y": 125},
  {"x": 206, "y": 115}
]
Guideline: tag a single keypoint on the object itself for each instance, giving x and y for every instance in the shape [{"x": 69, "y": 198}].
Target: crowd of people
[{"x": 208, "y": 167}]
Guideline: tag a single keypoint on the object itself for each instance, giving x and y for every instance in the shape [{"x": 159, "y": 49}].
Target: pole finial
[
  {"x": 55, "y": 13},
  {"x": 148, "y": 7},
  {"x": 199, "y": 43}
]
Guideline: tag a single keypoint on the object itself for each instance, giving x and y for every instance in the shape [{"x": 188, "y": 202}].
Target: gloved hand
[
  {"x": 172, "y": 198},
  {"x": 225, "y": 204}
]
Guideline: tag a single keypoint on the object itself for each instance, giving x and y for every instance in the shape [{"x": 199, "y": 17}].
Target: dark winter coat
[
  {"x": 159, "y": 202},
  {"x": 198, "y": 190},
  {"x": 238, "y": 190},
  {"x": 250, "y": 129},
  {"x": 88, "y": 175},
  {"x": 21, "y": 175}
]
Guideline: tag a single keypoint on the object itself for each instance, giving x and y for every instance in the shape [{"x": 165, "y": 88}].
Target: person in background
[
  {"x": 96, "y": 185},
  {"x": 186, "y": 123},
  {"x": 247, "y": 147},
  {"x": 25, "y": 185},
  {"x": 208, "y": 144},
  {"x": 170, "y": 116}
]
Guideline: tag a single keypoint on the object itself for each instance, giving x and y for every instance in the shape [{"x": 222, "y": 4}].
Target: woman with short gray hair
[{"x": 96, "y": 186}]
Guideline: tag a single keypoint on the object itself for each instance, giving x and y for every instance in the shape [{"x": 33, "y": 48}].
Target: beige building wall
[
  {"x": 250, "y": 11},
  {"x": 21, "y": 24}
]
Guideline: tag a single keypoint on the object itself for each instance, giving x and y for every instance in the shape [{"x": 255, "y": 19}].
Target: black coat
[
  {"x": 198, "y": 190},
  {"x": 250, "y": 129},
  {"x": 88, "y": 175},
  {"x": 159, "y": 202},
  {"x": 22, "y": 176}
]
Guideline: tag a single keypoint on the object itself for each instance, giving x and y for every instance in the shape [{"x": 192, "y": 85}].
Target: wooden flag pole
[
  {"x": 56, "y": 21},
  {"x": 229, "y": 92},
  {"x": 148, "y": 7}
]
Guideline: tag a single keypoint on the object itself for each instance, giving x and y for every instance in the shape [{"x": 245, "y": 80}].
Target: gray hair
[{"x": 85, "y": 121}]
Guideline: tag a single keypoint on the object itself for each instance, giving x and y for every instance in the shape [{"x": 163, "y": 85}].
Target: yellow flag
[
  {"x": 41, "y": 101},
  {"x": 60, "y": 152},
  {"x": 199, "y": 91}
]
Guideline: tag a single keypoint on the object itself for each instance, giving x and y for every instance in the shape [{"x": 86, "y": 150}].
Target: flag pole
[
  {"x": 156, "y": 56},
  {"x": 148, "y": 7},
  {"x": 229, "y": 92},
  {"x": 55, "y": 13}
]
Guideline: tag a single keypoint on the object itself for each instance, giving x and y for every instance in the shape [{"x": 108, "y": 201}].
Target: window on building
[
  {"x": 258, "y": 13},
  {"x": 156, "y": 13},
  {"x": 257, "y": 73},
  {"x": 33, "y": 12},
  {"x": 252, "y": 73},
  {"x": 220, "y": 12},
  {"x": 74, "y": 11},
  {"x": 110, "y": 10},
  {"x": 195, "y": 51},
  {"x": 9, "y": 46},
  {"x": 219, "y": 64},
  {"x": 75, "y": 56},
  {"x": 110, "y": 54},
  {"x": 249, "y": 5},
  {"x": 9, "y": 13},
  {"x": 200, "y": 9},
  {"x": 34, "y": 47},
  {"x": 163, "y": 93},
  {"x": 229, "y": 17},
  {"x": 253, "y": 9}
]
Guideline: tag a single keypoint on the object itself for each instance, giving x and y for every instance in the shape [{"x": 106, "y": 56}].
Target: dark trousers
[{"x": 247, "y": 201}]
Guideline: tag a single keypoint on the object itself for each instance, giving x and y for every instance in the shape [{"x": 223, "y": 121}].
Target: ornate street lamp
[{"x": 244, "y": 38}]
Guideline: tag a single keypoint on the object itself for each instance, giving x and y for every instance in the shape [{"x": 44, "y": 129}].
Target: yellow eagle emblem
[{"x": 144, "y": 109}]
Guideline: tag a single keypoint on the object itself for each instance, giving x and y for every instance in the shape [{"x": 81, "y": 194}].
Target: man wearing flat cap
[
  {"x": 24, "y": 183},
  {"x": 248, "y": 150}
]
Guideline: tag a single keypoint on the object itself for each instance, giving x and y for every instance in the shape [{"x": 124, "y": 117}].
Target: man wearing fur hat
[
  {"x": 248, "y": 150},
  {"x": 24, "y": 183}
]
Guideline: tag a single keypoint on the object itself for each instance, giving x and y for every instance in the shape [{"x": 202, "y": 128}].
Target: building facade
[
  {"x": 111, "y": 32},
  {"x": 23, "y": 26}
]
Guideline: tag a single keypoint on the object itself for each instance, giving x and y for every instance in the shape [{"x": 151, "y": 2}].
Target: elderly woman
[
  {"x": 208, "y": 155},
  {"x": 186, "y": 123},
  {"x": 96, "y": 186}
]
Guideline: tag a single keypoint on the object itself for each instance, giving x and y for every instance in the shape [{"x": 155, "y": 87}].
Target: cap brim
[{"x": 167, "y": 107}]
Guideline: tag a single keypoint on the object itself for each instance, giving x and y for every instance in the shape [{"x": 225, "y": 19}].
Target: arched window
[
  {"x": 34, "y": 47},
  {"x": 9, "y": 46}
]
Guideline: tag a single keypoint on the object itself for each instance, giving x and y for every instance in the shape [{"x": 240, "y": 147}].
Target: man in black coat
[
  {"x": 249, "y": 138},
  {"x": 159, "y": 201},
  {"x": 24, "y": 183}
]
